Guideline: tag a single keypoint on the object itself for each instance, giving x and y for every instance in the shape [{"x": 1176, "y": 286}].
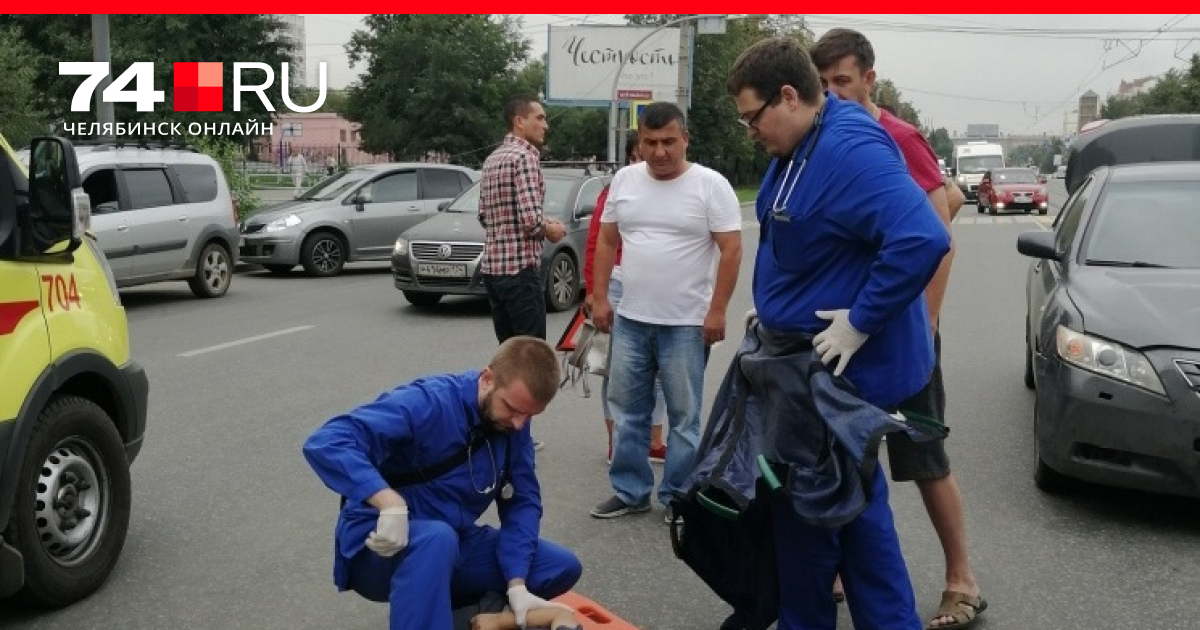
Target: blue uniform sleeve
[
  {"x": 520, "y": 516},
  {"x": 895, "y": 214},
  {"x": 347, "y": 451}
]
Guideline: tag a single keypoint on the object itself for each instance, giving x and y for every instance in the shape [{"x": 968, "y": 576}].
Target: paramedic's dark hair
[{"x": 772, "y": 63}]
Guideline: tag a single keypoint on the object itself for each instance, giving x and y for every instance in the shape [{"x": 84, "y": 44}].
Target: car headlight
[
  {"x": 283, "y": 223},
  {"x": 401, "y": 247},
  {"x": 1108, "y": 358}
]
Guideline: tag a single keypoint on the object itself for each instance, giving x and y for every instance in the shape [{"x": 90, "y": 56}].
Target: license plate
[
  {"x": 442, "y": 271},
  {"x": 1022, "y": 197}
]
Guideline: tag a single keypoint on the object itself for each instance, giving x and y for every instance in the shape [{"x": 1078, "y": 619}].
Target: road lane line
[{"x": 239, "y": 342}]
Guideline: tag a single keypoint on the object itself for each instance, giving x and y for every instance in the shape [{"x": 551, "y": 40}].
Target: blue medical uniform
[
  {"x": 851, "y": 231},
  {"x": 450, "y": 560}
]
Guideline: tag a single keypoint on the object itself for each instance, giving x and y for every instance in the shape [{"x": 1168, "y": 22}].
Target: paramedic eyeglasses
[{"x": 752, "y": 122}]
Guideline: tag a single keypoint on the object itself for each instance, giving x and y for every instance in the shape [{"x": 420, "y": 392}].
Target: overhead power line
[{"x": 1127, "y": 34}]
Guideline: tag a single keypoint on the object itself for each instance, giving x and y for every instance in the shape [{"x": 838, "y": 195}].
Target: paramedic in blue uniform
[
  {"x": 847, "y": 244},
  {"x": 418, "y": 546}
]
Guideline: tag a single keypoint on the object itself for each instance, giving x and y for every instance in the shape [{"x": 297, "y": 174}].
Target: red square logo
[{"x": 198, "y": 86}]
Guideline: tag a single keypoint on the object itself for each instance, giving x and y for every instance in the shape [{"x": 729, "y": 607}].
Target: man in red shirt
[{"x": 846, "y": 61}]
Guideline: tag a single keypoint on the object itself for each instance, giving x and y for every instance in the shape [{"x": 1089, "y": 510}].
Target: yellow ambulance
[{"x": 72, "y": 402}]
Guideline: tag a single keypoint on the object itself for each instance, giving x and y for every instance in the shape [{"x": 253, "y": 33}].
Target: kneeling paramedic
[{"x": 416, "y": 469}]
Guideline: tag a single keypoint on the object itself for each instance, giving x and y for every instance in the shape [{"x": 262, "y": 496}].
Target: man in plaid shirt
[{"x": 510, "y": 210}]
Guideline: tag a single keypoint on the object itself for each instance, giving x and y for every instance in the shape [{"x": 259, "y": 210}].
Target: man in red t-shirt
[{"x": 846, "y": 60}]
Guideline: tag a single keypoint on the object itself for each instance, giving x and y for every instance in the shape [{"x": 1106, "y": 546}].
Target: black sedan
[
  {"x": 1113, "y": 332},
  {"x": 441, "y": 255}
]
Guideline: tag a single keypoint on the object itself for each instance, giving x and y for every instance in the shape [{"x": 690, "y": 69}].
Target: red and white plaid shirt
[{"x": 511, "y": 192}]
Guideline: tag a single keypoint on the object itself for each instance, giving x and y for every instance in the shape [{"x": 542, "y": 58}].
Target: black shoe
[{"x": 614, "y": 507}]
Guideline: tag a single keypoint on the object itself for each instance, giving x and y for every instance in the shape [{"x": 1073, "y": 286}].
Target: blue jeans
[
  {"x": 678, "y": 355},
  {"x": 615, "y": 291}
]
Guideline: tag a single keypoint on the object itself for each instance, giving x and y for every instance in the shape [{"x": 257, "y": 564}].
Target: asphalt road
[{"x": 230, "y": 528}]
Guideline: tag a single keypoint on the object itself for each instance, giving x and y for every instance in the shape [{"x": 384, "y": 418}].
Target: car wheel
[
  {"x": 214, "y": 272},
  {"x": 1043, "y": 211},
  {"x": 1045, "y": 478},
  {"x": 279, "y": 270},
  {"x": 418, "y": 298},
  {"x": 562, "y": 283},
  {"x": 979, "y": 205},
  {"x": 323, "y": 255},
  {"x": 72, "y": 504},
  {"x": 1029, "y": 382}
]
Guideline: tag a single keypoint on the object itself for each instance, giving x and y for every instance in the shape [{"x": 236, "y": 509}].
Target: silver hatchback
[
  {"x": 351, "y": 216},
  {"x": 162, "y": 214}
]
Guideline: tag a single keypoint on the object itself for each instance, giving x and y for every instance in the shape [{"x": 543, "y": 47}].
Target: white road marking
[{"x": 239, "y": 342}]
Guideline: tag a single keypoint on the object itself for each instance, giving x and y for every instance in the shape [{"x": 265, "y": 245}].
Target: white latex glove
[
  {"x": 391, "y": 532},
  {"x": 840, "y": 341},
  {"x": 751, "y": 315},
  {"x": 521, "y": 601}
]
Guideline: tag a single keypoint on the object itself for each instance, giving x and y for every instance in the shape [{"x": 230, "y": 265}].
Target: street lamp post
[{"x": 612, "y": 109}]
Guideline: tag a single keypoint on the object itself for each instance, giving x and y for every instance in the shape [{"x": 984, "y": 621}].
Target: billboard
[
  {"x": 983, "y": 131},
  {"x": 583, "y": 60}
]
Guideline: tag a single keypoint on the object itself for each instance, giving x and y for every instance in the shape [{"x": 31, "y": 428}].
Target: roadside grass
[{"x": 746, "y": 194}]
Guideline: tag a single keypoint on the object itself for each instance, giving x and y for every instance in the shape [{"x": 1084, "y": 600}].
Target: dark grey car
[
  {"x": 441, "y": 255},
  {"x": 1113, "y": 332}
]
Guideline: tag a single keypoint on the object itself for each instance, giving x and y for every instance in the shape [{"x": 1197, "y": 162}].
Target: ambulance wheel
[{"x": 72, "y": 504}]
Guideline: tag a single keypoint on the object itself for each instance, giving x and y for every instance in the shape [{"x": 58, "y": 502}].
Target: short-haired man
[
  {"x": 417, "y": 468},
  {"x": 511, "y": 194},
  {"x": 848, "y": 242},
  {"x": 846, "y": 61},
  {"x": 673, "y": 221}
]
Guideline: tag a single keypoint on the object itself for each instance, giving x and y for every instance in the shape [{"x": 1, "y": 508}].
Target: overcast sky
[{"x": 956, "y": 69}]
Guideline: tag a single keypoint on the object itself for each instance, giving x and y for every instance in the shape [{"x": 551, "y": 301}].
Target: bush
[{"x": 228, "y": 154}]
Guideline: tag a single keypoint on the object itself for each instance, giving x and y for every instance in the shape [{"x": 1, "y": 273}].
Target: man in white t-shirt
[{"x": 675, "y": 220}]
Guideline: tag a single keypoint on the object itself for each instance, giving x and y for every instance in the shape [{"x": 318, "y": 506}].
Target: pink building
[{"x": 318, "y": 136}]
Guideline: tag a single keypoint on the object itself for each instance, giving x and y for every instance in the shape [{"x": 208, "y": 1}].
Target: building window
[
  {"x": 342, "y": 134},
  {"x": 293, "y": 129}
]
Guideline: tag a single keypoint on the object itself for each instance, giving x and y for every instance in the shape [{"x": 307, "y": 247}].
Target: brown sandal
[{"x": 962, "y": 608}]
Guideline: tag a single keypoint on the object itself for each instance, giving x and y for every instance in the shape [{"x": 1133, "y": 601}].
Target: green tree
[
  {"x": 229, "y": 155},
  {"x": 886, "y": 94},
  {"x": 1177, "y": 92},
  {"x": 434, "y": 83},
  {"x": 19, "y": 114},
  {"x": 716, "y": 139},
  {"x": 942, "y": 145},
  {"x": 161, "y": 39},
  {"x": 788, "y": 25}
]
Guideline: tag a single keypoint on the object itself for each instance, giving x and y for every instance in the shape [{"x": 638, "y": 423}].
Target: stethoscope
[
  {"x": 779, "y": 212},
  {"x": 506, "y": 492}
]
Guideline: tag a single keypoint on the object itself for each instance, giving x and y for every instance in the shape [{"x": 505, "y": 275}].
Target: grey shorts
[{"x": 922, "y": 461}]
